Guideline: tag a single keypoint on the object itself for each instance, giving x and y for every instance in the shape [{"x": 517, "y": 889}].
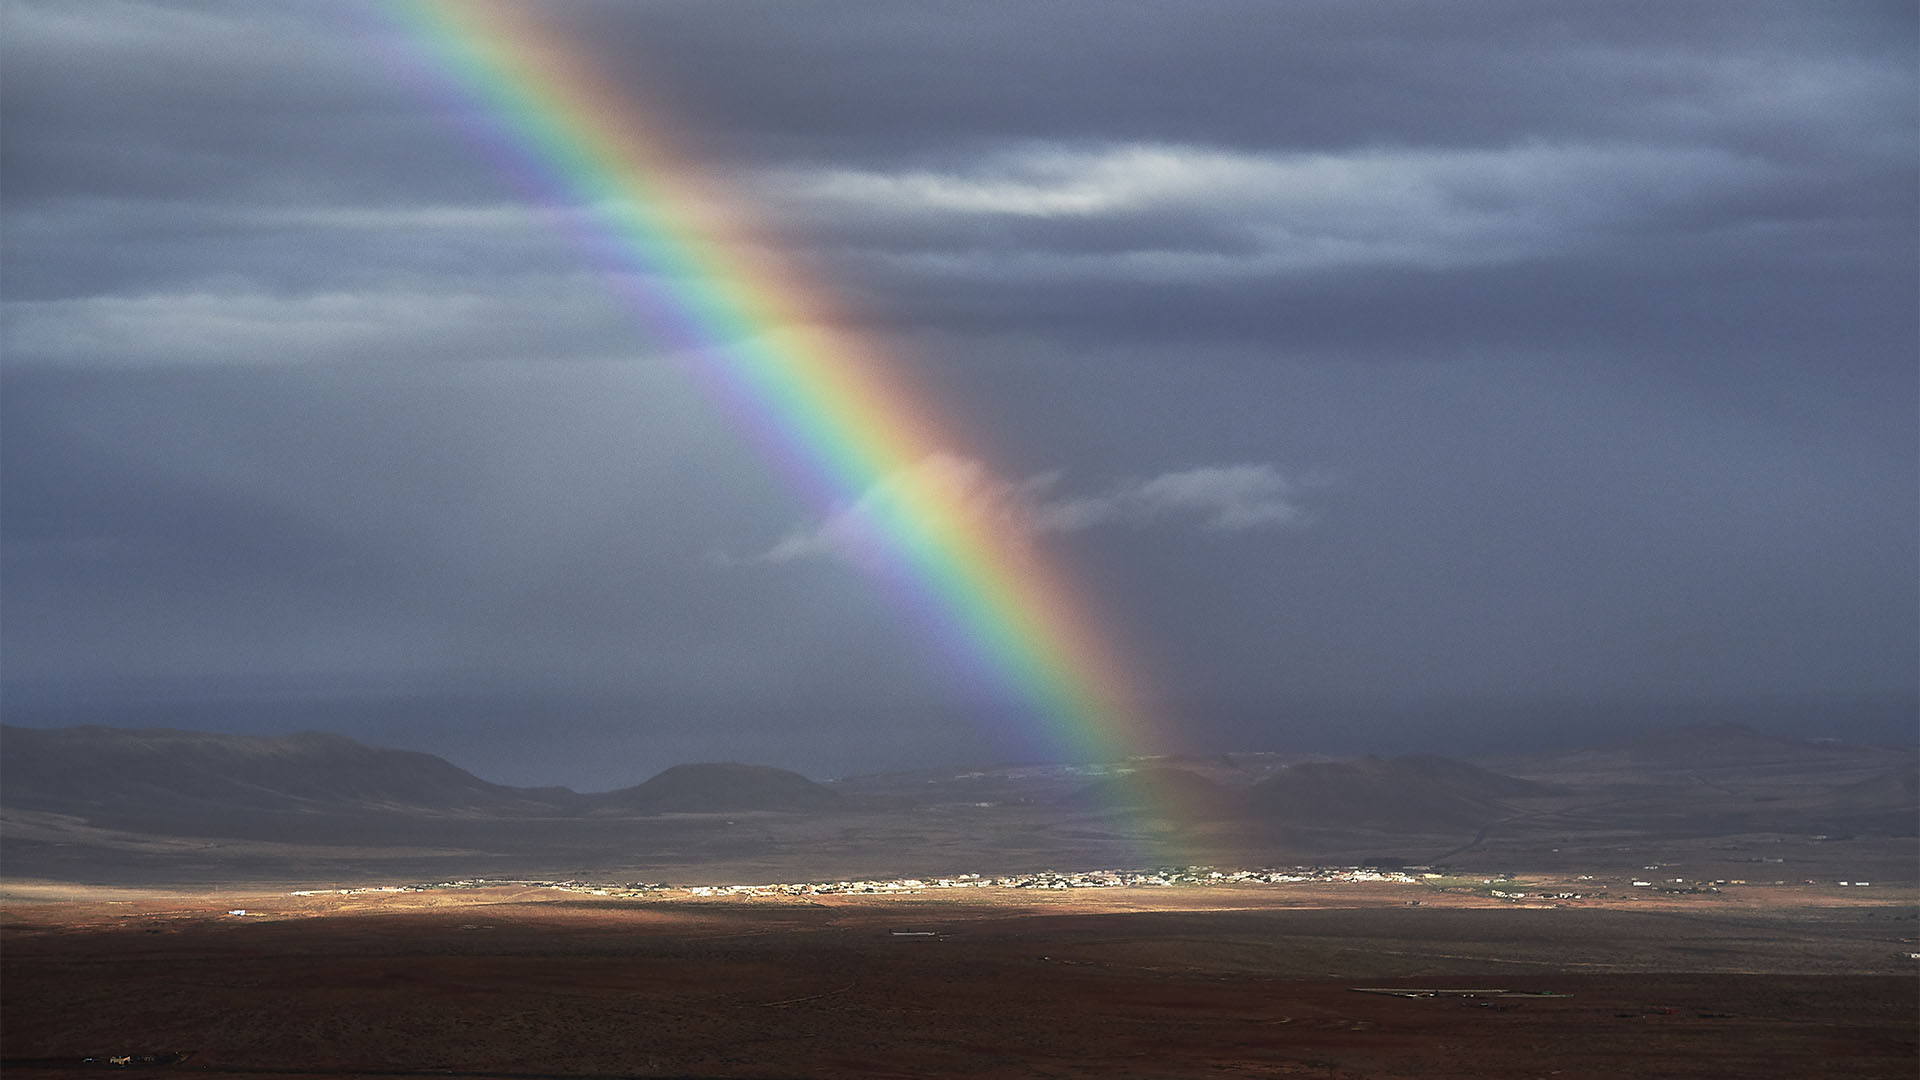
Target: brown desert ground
[{"x": 1253, "y": 980}]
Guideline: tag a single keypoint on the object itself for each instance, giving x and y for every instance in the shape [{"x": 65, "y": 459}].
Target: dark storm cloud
[
  {"x": 215, "y": 104},
  {"x": 1357, "y": 352},
  {"x": 1307, "y": 76}
]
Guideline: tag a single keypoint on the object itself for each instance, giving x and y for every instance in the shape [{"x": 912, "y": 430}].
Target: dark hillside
[
  {"x": 162, "y": 779},
  {"x": 1410, "y": 793},
  {"x": 720, "y": 788},
  {"x": 1162, "y": 789}
]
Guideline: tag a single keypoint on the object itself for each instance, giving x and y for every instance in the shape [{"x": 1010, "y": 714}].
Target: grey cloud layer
[
  {"x": 1240, "y": 147},
  {"x": 1603, "y": 316}
]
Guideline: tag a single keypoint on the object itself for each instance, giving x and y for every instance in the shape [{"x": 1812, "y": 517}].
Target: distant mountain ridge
[
  {"x": 113, "y": 805},
  {"x": 167, "y": 779},
  {"x": 170, "y": 780},
  {"x": 118, "y": 775}
]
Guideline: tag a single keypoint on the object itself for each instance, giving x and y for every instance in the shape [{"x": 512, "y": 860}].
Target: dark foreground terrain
[{"x": 1187, "y": 982}]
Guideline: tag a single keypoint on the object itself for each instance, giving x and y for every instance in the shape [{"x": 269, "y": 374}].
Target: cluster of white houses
[
  {"x": 1050, "y": 879},
  {"x": 1166, "y": 877},
  {"x": 1501, "y": 887}
]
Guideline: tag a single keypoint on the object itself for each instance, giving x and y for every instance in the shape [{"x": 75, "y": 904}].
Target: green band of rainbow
[{"x": 832, "y": 412}]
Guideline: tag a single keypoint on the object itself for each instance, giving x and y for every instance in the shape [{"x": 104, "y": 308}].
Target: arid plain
[
  {"x": 1730, "y": 906},
  {"x": 1247, "y": 980}
]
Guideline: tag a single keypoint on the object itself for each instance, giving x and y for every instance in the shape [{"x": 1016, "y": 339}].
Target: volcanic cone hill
[
  {"x": 1469, "y": 778},
  {"x": 1410, "y": 794},
  {"x": 1159, "y": 788},
  {"x": 196, "y": 782},
  {"x": 723, "y": 787}
]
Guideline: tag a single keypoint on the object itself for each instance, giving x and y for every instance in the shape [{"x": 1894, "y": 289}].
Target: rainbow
[{"x": 838, "y": 418}]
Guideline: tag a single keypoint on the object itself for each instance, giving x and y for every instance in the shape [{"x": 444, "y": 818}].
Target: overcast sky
[{"x": 1476, "y": 359}]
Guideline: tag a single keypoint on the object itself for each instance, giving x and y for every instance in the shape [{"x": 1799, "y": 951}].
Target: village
[
  {"x": 1048, "y": 879},
  {"x": 1166, "y": 877},
  {"x": 1499, "y": 886}
]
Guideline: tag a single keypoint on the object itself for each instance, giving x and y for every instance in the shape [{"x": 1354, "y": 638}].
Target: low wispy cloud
[
  {"x": 1217, "y": 498},
  {"x": 1209, "y": 498},
  {"x": 1233, "y": 212},
  {"x": 243, "y": 326}
]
